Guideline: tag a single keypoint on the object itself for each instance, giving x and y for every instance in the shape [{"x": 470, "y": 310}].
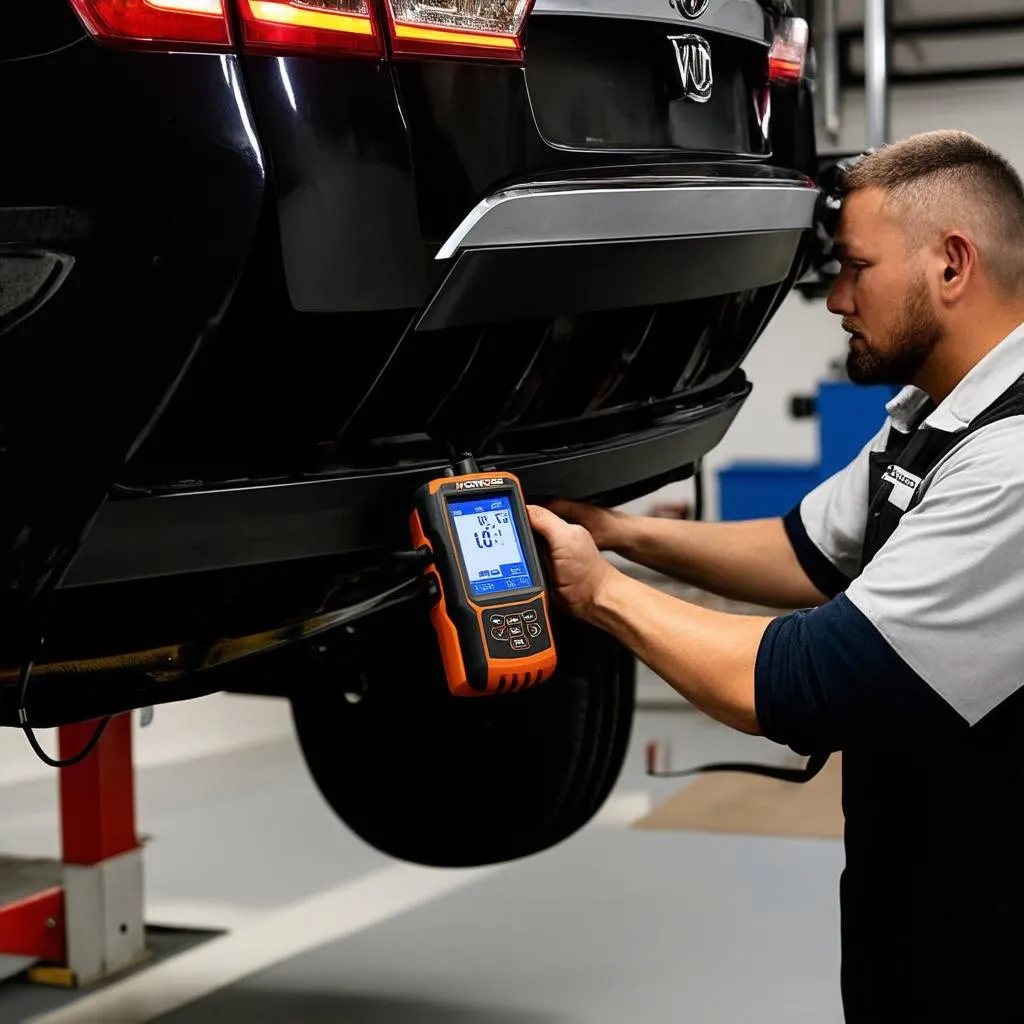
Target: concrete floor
[{"x": 614, "y": 925}]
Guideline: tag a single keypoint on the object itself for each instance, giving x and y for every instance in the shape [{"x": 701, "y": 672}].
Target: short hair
[{"x": 951, "y": 179}]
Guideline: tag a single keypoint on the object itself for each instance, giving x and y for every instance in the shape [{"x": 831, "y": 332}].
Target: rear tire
[{"x": 450, "y": 782}]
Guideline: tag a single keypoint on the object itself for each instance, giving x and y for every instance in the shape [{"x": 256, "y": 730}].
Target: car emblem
[
  {"x": 693, "y": 58},
  {"x": 691, "y": 9}
]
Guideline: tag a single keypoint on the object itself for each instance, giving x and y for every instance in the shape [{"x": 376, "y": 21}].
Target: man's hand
[
  {"x": 579, "y": 572},
  {"x": 607, "y": 526},
  {"x": 706, "y": 656}
]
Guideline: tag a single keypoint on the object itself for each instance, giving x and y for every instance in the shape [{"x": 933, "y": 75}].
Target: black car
[{"x": 266, "y": 264}]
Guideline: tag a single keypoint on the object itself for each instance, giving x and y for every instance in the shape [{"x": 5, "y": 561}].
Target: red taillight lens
[
  {"x": 789, "y": 51},
  {"x": 323, "y": 26},
  {"x": 486, "y": 29},
  {"x": 156, "y": 22}
]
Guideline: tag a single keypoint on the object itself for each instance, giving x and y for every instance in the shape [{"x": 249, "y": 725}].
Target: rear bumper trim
[
  {"x": 203, "y": 530},
  {"x": 570, "y": 215}
]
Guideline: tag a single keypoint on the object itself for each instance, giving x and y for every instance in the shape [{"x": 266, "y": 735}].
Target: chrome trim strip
[{"x": 566, "y": 216}]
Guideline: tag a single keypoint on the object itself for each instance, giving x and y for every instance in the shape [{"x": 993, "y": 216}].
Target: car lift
[{"x": 80, "y": 919}]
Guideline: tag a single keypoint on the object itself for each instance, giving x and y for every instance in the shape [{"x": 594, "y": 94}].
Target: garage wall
[{"x": 803, "y": 339}]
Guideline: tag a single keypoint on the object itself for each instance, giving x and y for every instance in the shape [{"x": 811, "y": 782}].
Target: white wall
[{"x": 803, "y": 339}]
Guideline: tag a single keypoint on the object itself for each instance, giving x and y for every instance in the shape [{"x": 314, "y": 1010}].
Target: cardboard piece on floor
[{"x": 750, "y": 805}]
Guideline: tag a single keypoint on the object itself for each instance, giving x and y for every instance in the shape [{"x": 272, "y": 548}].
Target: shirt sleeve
[
  {"x": 928, "y": 637},
  {"x": 826, "y": 678},
  {"x": 826, "y": 530},
  {"x": 946, "y": 591}
]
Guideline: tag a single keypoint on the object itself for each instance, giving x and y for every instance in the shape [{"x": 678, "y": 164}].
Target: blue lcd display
[{"x": 489, "y": 541}]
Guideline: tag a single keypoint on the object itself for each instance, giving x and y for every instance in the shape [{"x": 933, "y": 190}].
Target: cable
[
  {"x": 70, "y": 762},
  {"x": 418, "y": 559},
  {"x": 228, "y": 650},
  {"x": 765, "y": 771},
  {"x": 809, "y": 771},
  {"x": 414, "y": 559}
]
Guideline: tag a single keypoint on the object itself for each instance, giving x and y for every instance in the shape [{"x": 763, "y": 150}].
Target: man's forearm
[
  {"x": 706, "y": 656},
  {"x": 751, "y": 561}
]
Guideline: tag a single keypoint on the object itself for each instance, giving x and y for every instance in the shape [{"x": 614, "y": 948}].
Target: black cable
[
  {"x": 698, "y": 492},
  {"x": 809, "y": 771},
  {"x": 420, "y": 558},
  {"x": 70, "y": 762},
  {"x": 798, "y": 775}
]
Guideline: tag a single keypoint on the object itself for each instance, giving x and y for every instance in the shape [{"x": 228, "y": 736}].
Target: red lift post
[{"x": 88, "y": 922}]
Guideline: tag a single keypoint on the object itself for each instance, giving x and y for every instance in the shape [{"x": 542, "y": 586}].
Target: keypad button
[
  {"x": 497, "y": 620},
  {"x": 534, "y": 630},
  {"x": 516, "y": 631},
  {"x": 530, "y": 615},
  {"x": 519, "y": 643},
  {"x": 500, "y": 633},
  {"x": 513, "y": 620}
]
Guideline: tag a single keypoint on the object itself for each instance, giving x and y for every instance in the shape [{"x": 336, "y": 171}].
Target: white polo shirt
[
  {"x": 914, "y": 671},
  {"x": 946, "y": 591}
]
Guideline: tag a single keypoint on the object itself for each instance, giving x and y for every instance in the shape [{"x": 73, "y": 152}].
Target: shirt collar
[{"x": 973, "y": 395}]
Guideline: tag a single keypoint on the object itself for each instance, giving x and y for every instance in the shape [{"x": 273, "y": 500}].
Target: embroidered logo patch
[{"x": 904, "y": 486}]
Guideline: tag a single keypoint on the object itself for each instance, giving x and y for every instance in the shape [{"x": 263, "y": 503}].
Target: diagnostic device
[{"x": 491, "y": 604}]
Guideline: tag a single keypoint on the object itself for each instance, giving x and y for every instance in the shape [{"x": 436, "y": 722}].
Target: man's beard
[{"x": 910, "y": 342}]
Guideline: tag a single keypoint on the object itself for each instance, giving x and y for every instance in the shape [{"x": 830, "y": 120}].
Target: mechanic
[{"x": 907, "y": 653}]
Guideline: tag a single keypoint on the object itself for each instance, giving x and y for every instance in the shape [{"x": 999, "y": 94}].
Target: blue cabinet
[{"x": 848, "y": 417}]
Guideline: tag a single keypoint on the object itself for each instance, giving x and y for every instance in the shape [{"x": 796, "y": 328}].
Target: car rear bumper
[
  {"x": 576, "y": 246},
  {"x": 364, "y": 510}
]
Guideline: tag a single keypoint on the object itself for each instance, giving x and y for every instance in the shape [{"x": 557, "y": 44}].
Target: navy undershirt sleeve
[
  {"x": 821, "y": 572},
  {"x": 826, "y": 677}
]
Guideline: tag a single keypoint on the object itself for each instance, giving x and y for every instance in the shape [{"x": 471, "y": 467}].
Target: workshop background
[
  {"x": 270, "y": 910},
  {"x": 804, "y": 341}
]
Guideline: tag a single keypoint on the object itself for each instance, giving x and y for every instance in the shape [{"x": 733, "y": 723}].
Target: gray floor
[
  {"x": 616, "y": 924},
  {"x": 20, "y": 1000},
  {"x": 612, "y": 927}
]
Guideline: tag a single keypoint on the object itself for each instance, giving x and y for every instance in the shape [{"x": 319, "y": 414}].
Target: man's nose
[{"x": 840, "y": 297}]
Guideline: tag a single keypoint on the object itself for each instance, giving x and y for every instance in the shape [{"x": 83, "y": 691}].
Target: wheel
[{"x": 455, "y": 782}]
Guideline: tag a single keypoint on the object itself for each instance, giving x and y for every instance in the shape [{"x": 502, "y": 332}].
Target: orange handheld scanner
[{"x": 491, "y": 604}]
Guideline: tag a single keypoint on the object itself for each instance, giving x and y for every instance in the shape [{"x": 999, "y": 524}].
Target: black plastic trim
[
  {"x": 195, "y": 531},
  {"x": 567, "y": 279}
]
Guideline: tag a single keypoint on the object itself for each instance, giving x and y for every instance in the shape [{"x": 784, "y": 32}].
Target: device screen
[{"x": 489, "y": 541}]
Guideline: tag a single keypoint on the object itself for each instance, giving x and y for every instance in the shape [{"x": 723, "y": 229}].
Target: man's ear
[{"x": 961, "y": 258}]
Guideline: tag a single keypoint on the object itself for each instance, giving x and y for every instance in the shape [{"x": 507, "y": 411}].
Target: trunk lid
[{"x": 639, "y": 75}]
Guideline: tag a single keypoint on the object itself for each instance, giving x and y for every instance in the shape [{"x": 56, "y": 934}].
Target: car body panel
[
  {"x": 343, "y": 183},
  {"x": 374, "y": 163},
  {"x": 149, "y": 218}
]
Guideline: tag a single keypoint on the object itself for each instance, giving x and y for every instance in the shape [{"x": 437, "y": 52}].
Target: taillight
[
  {"x": 486, "y": 29},
  {"x": 789, "y": 51},
  {"x": 323, "y": 26},
  {"x": 156, "y": 22}
]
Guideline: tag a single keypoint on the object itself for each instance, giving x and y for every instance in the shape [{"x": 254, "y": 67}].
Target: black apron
[{"x": 933, "y": 892}]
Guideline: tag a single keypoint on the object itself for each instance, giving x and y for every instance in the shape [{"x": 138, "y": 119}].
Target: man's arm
[
  {"x": 751, "y": 561},
  {"x": 925, "y": 642},
  {"x": 706, "y": 656},
  {"x": 798, "y": 562}
]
